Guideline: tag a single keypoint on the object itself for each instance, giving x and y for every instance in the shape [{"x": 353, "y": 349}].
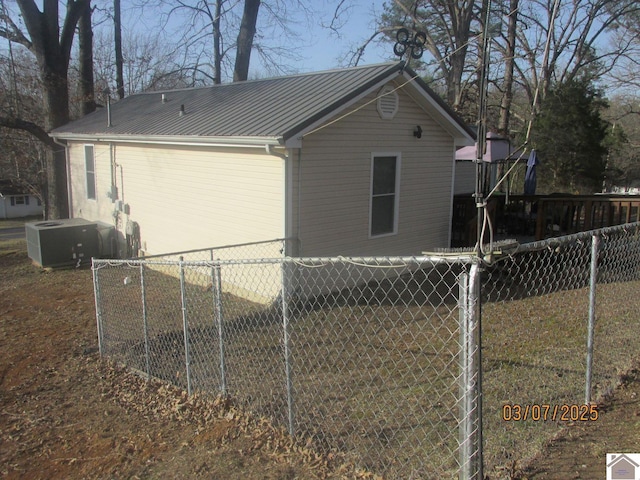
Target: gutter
[{"x": 197, "y": 141}]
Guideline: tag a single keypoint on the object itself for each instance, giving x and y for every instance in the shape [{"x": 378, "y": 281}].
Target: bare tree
[
  {"x": 245, "y": 39},
  {"x": 448, "y": 30},
  {"x": 23, "y": 154},
  {"x": 117, "y": 42},
  {"x": 51, "y": 46},
  {"x": 509, "y": 65},
  {"x": 577, "y": 36},
  {"x": 221, "y": 39},
  {"x": 85, "y": 54}
]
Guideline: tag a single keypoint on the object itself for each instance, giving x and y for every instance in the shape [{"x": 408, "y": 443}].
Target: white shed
[{"x": 17, "y": 202}]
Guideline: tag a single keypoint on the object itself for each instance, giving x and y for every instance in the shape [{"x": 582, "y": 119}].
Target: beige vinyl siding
[
  {"x": 186, "y": 197},
  {"x": 99, "y": 208},
  {"x": 335, "y": 175}
]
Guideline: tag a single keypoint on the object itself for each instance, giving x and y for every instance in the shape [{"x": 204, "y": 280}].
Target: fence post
[
  {"x": 185, "y": 325},
  {"x": 216, "y": 289},
  {"x": 284, "y": 288},
  {"x": 595, "y": 243},
  {"x": 470, "y": 385},
  {"x": 145, "y": 327},
  {"x": 96, "y": 295}
]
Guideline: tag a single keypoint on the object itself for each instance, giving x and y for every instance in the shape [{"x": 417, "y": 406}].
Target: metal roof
[{"x": 275, "y": 108}]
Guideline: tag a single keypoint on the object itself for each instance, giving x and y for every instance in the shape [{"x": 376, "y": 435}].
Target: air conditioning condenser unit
[{"x": 73, "y": 241}]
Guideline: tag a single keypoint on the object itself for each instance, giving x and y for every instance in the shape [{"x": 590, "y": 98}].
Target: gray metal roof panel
[{"x": 276, "y": 107}]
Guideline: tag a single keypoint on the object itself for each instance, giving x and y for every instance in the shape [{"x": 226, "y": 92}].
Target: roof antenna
[{"x": 414, "y": 46}]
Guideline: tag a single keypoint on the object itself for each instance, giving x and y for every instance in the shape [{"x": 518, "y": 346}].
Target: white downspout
[
  {"x": 288, "y": 196},
  {"x": 451, "y": 197}
]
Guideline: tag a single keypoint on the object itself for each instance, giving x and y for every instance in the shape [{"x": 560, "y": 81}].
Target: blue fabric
[{"x": 530, "y": 179}]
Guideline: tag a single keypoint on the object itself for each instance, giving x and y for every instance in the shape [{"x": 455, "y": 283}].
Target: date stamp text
[{"x": 547, "y": 412}]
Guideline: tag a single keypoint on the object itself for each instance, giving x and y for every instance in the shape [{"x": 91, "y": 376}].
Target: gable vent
[{"x": 387, "y": 102}]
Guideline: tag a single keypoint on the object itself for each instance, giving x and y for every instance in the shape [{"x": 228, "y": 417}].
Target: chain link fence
[
  {"x": 364, "y": 356},
  {"x": 560, "y": 325},
  {"x": 379, "y": 358}
]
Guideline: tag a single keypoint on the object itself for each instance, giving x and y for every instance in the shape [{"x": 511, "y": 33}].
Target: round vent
[{"x": 387, "y": 102}]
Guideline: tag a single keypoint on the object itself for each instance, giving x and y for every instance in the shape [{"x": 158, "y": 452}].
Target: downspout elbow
[{"x": 269, "y": 149}]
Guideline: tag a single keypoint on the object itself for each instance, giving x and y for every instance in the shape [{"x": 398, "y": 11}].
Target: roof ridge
[{"x": 267, "y": 79}]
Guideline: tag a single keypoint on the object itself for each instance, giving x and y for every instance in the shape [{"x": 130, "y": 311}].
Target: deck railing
[{"x": 536, "y": 217}]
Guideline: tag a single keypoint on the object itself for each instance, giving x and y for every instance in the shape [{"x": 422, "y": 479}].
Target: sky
[
  {"x": 326, "y": 50},
  {"x": 318, "y": 48}
]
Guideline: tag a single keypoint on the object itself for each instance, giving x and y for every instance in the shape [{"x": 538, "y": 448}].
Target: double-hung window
[
  {"x": 20, "y": 200},
  {"x": 90, "y": 171},
  {"x": 385, "y": 182}
]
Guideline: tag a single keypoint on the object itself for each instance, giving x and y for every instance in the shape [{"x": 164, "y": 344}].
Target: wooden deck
[{"x": 537, "y": 217}]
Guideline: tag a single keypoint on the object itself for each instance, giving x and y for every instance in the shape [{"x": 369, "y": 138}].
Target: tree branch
[
  {"x": 12, "y": 32},
  {"x": 30, "y": 127},
  {"x": 32, "y": 18},
  {"x": 74, "y": 11}
]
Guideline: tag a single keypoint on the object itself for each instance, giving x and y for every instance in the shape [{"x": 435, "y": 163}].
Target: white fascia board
[
  {"x": 296, "y": 140},
  {"x": 460, "y": 136},
  {"x": 251, "y": 142}
]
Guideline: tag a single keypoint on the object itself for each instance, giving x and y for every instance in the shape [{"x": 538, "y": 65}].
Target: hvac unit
[
  {"x": 106, "y": 240},
  {"x": 72, "y": 241}
]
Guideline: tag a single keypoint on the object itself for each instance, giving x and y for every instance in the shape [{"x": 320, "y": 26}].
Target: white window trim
[
  {"x": 95, "y": 182},
  {"x": 396, "y": 203}
]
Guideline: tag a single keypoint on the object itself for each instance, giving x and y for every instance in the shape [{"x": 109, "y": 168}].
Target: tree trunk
[
  {"x": 117, "y": 38},
  {"x": 56, "y": 106},
  {"x": 245, "y": 39},
  {"x": 217, "y": 54},
  {"x": 461, "y": 15},
  {"x": 85, "y": 52},
  {"x": 52, "y": 48},
  {"x": 507, "y": 88}
]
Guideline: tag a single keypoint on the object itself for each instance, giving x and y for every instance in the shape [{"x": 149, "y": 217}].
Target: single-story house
[
  {"x": 17, "y": 202},
  {"x": 358, "y": 161}
]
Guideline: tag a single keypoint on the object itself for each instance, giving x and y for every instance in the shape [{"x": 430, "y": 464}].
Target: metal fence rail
[{"x": 379, "y": 358}]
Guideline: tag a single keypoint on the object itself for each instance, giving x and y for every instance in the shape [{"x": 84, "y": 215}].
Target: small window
[
  {"x": 19, "y": 200},
  {"x": 385, "y": 178},
  {"x": 90, "y": 170}
]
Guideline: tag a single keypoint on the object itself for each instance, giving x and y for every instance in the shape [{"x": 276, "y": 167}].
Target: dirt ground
[
  {"x": 580, "y": 453},
  {"x": 65, "y": 413}
]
